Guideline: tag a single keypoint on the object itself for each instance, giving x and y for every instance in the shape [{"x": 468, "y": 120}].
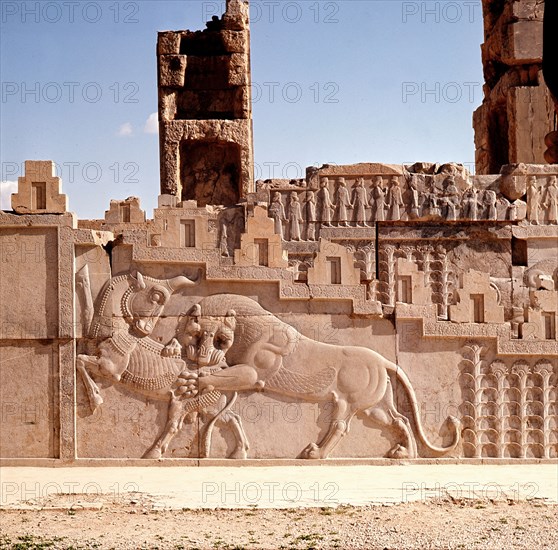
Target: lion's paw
[
  {"x": 239, "y": 454},
  {"x": 174, "y": 349},
  {"x": 153, "y": 454},
  {"x": 95, "y": 402}
]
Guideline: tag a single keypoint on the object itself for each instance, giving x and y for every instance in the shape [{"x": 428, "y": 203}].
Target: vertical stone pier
[
  {"x": 517, "y": 111},
  {"x": 205, "y": 110}
]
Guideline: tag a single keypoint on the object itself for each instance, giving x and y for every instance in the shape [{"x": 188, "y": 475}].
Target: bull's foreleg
[
  {"x": 234, "y": 422},
  {"x": 174, "y": 423},
  {"x": 91, "y": 388},
  {"x": 339, "y": 426}
]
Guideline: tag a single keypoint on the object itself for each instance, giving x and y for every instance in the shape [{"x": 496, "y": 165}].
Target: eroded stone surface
[
  {"x": 368, "y": 310},
  {"x": 205, "y": 110},
  {"x": 517, "y": 112},
  {"x": 202, "y": 329},
  {"x": 39, "y": 190}
]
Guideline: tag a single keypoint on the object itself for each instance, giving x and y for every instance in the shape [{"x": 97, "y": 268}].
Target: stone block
[
  {"x": 333, "y": 265},
  {"x": 260, "y": 245},
  {"x": 530, "y": 118},
  {"x": 172, "y": 70},
  {"x": 168, "y": 43},
  {"x": 235, "y": 41},
  {"x": 30, "y": 420},
  {"x": 477, "y": 300},
  {"x": 29, "y": 308},
  {"x": 239, "y": 70},
  {"x": 126, "y": 211},
  {"x": 39, "y": 190}
]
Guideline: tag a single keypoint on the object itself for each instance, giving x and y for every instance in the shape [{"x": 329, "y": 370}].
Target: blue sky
[{"x": 334, "y": 82}]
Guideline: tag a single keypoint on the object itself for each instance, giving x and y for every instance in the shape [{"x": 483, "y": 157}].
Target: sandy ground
[{"x": 64, "y": 523}]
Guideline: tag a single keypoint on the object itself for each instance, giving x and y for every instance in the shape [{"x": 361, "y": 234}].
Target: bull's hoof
[
  {"x": 312, "y": 452},
  {"x": 153, "y": 454},
  {"x": 398, "y": 452},
  {"x": 239, "y": 454},
  {"x": 95, "y": 402}
]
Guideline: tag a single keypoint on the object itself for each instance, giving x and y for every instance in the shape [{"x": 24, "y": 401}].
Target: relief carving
[
  {"x": 378, "y": 199},
  {"x": 509, "y": 411},
  {"x": 368, "y": 250},
  {"x": 360, "y": 201},
  {"x": 325, "y": 204},
  {"x": 127, "y": 355},
  {"x": 311, "y": 219},
  {"x": 277, "y": 212},
  {"x": 343, "y": 203},
  {"x": 395, "y": 200},
  {"x": 266, "y": 354},
  {"x": 295, "y": 217},
  {"x": 551, "y": 201}
]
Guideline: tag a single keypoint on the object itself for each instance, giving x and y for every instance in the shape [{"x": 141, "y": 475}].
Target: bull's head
[
  {"x": 208, "y": 338},
  {"x": 146, "y": 298}
]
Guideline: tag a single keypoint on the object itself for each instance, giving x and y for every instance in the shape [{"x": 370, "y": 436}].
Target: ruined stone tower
[
  {"x": 517, "y": 111},
  {"x": 205, "y": 113}
]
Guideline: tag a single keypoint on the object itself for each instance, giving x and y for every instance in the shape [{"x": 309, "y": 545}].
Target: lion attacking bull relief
[
  {"x": 128, "y": 356},
  {"x": 265, "y": 354}
]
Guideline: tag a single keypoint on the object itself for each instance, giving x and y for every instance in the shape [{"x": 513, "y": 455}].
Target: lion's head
[
  {"x": 211, "y": 327},
  {"x": 208, "y": 338}
]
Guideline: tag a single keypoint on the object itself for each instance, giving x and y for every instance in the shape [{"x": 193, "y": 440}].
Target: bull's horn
[
  {"x": 179, "y": 282},
  {"x": 140, "y": 283}
]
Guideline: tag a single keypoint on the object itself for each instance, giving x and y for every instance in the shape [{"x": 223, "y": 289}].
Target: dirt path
[{"x": 133, "y": 524}]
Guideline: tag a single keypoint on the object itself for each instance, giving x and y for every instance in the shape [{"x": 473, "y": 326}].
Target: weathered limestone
[
  {"x": 453, "y": 281},
  {"x": 517, "y": 112},
  {"x": 333, "y": 265},
  {"x": 477, "y": 301},
  {"x": 205, "y": 111},
  {"x": 260, "y": 245},
  {"x": 127, "y": 211},
  {"x": 39, "y": 190},
  {"x": 364, "y": 311}
]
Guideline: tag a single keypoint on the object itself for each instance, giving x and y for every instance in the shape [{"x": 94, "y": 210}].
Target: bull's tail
[{"x": 455, "y": 423}]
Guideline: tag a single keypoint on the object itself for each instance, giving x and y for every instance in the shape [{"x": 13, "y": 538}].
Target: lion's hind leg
[
  {"x": 385, "y": 415},
  {"x": 338, "y": 427}
]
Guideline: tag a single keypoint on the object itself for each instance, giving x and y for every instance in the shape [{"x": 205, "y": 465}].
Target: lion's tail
[{"x": 437, "y": 451}]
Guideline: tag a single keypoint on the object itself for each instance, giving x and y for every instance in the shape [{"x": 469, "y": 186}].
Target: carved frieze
[
  {"x": 509, "y": 408},
  {"x": 357, "y": 294}
]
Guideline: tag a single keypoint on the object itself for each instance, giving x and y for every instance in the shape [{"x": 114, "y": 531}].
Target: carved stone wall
[
  {"x": 364, "y": 311},
  {"x": 415, "y": 304},
  {"x": 517, "y": 112}
]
